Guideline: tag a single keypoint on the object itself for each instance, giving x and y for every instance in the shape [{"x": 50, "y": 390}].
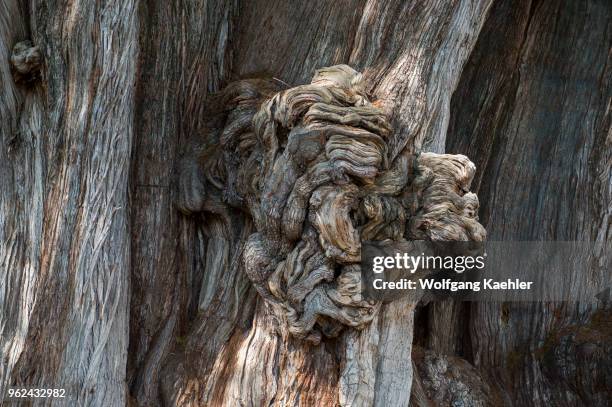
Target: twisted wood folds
[{"x": 309, "y": 166}]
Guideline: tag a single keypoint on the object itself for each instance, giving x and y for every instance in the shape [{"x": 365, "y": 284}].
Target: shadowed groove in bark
[{"x": 533, "y": 105}]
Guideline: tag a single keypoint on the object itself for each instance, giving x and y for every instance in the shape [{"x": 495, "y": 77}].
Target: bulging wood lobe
[
  {"x": 309, "y": 164},
  {"x": 26, "y": 60}
]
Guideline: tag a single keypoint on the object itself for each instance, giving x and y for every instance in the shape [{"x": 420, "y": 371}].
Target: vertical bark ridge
[
  {"x": 191, "y": 55},
  {"x": 21, "y": 194},
  {"x": 534, "y": 107},
  {"x": 78, "y": 333}
]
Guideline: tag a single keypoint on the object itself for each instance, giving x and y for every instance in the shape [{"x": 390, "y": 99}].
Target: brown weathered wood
[
  {"x": 309, "y": 166},
  {"x": 107, "y": 289},
  {"x": 393, "y": 336}
]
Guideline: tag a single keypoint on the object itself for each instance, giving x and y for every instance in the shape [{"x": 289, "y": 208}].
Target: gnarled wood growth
[
  {"x": 25, "y": 62},
  {"x": 308, "y": 167}
]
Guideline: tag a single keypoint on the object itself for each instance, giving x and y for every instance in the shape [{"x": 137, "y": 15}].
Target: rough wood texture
[
  {"x": 20, "y": 194},
  {"x": 533, "y": 109},
  {"x": 65, "y": 240},
  {"x": 170, "y": 305},
  {"x": 183, "y": 46},
  {"x": 308, "y": 165},
  {"x": 450, "y": 381},
  {"x": 25, "y": 61},
  {"x": 92, "y": 132},
  {"x": 191, "y": 364}
]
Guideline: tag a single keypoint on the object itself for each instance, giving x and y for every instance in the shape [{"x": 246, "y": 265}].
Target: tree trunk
[
  {"x": 539, "y": 87},
  {"x": 110, "y": 292},
  {"x": 66, "y": 150}
]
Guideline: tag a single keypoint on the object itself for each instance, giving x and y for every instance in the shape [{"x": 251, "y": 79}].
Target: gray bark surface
[
  {"x": 107, "y": 290},
  {"x": 533, "y": 109},
  {"x": 66, "y": 148}
]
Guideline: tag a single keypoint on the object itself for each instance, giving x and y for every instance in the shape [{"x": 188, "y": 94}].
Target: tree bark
[
  {"x": 539, "y": 112},
  {"x": 107, "y": 290},
  {"x": 65, "y": 237}
]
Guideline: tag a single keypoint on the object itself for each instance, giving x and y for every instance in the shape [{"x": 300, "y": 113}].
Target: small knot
[{"x": 25, "y": 62}]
